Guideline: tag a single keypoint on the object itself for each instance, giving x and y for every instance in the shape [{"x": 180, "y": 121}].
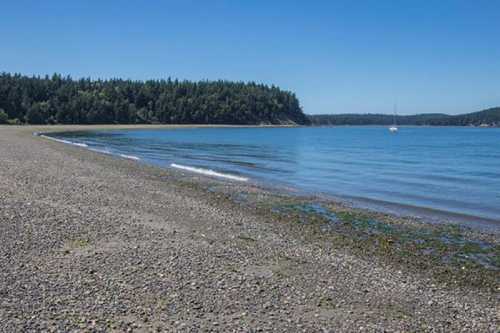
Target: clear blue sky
[{"x": 337, "y": 56}]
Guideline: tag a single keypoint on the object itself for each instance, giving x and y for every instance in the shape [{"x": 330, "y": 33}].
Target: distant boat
[{"x": 394, "y": 128}]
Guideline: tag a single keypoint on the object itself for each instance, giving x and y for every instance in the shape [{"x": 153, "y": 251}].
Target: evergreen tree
[
  {"x": 4, "y": 118},
  {"x": 34, "y": 114},
  {"x": 64, "y": 100}
]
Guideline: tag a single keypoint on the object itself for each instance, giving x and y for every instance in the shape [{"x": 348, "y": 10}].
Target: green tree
[
  {"x": 34, "y": 115},
  {"x": 4, "y": 118}
]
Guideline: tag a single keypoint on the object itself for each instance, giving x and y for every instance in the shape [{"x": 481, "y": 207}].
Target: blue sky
[{"x": 337, "y": 56}]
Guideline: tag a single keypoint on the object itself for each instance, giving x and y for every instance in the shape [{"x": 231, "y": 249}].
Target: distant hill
[
  {"x": 490, "y": 117},
  {"x": 63, "y": 100}
]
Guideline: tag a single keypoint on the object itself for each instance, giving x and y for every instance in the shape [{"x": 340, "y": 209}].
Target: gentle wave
[
  {"x": 209, "y": 172},
  {"x": 102, "y": 151},
  {"x": 84, "y": 145},
  {"x": 79, "y": 144},
  {"x": 130, "y": 157}
]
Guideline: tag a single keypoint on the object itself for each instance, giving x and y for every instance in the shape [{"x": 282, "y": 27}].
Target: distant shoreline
[{"x": 485, "y": 118}]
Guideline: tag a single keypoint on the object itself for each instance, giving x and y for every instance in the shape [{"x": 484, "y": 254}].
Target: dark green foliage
[
  {"x": 489, "y": 117},
  {"x": 4, "y": 118},
  {"x": 63, "y": 100},
  {"x": 35, "y": 114}
]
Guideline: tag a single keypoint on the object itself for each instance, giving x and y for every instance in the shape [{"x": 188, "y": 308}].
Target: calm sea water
[{"x": 453, "y": 170}]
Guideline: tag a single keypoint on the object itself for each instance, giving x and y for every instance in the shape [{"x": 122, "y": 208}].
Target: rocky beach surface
[{"x": 93, "y": 242}]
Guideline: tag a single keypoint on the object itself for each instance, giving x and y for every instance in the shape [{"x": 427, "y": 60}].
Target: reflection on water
[{"x": 449, "y": 169}]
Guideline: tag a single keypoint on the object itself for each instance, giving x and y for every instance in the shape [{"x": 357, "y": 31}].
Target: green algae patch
[
  {"x": 447, "y": 251},
  {"x": 77, "y": 243},
  {"x": 247, "y": 238},
  {"x": 77, "y": 246}
]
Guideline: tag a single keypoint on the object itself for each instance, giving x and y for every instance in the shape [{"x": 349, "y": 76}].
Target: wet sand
[{"x": 95, "y": 242}]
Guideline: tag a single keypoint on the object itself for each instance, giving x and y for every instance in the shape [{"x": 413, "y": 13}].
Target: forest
[
  {"x": 489, "y": 117},
  {"x": 63, "y": 100}
]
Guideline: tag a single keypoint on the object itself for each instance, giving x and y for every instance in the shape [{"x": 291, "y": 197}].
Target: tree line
[
  {"x": 490, "y": 117},
  {"x": 63, "y": 100}
]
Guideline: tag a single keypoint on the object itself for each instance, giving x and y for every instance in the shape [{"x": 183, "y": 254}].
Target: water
[{"x": 454, "y": 170}]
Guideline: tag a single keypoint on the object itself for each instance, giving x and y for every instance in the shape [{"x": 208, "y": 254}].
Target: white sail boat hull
[{"x": 394, "y": 128}]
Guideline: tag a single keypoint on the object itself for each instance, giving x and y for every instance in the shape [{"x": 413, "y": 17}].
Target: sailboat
[{"x": 394, "y": 128}]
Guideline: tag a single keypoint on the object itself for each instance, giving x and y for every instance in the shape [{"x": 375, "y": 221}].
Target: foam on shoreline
[
  {"x": 130, "y": 157},
  {"x": 79, "y": 144},
  {"x": 208, "y": 172},
  {"x": 102, "y": 151},
  {"x": 84, "y": 145}
]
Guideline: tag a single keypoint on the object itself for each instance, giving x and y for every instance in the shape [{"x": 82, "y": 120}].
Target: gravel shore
[{"x": 90, "y": 242}]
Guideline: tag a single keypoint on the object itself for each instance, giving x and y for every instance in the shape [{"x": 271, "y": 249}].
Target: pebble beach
[{"x": 97, "y": 243}]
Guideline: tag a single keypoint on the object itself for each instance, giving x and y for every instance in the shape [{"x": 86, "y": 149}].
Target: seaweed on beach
[{"x": 447, "y": 250}]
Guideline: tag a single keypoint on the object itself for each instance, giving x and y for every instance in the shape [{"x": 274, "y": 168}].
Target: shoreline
[
  {"x": 425, "y": 214},
  {"x": 89, "y": 240}
]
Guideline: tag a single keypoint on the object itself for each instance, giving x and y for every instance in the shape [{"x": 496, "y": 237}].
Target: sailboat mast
[{"x": 394, "y": 128}]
